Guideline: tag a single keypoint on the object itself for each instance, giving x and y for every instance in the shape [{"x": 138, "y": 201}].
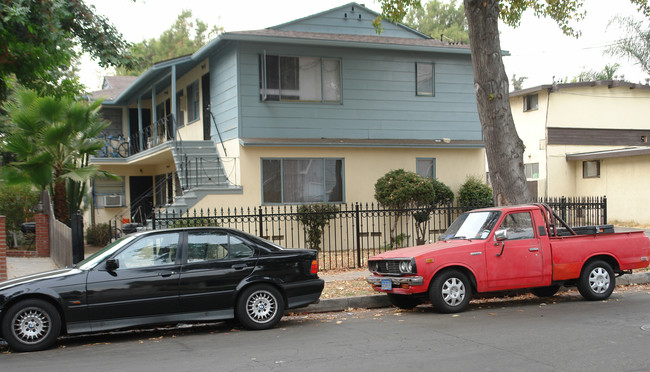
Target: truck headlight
[{"x": 406, "y": 267}]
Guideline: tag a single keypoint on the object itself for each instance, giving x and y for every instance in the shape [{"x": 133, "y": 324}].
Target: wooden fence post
[{"x": 3, "y": 249}]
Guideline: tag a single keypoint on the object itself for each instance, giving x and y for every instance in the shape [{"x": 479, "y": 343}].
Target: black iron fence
[{"x": 354, "y": 232}]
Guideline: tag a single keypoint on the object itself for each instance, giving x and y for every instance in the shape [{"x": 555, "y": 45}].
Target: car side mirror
[
  {"x": 501, "y": 235},
  {"x": 112, "y": 264}
]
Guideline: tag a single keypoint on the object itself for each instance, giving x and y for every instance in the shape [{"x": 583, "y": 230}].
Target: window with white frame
[
  {"x": 424, "y": 79},
  {"x": 591, "y": 169},
  {"x": 531, "y": 170},
  {"x": 300, "y": 79},
  {"x": 530, "y": 102},
  {"x": 302, "y": 180},
  {"x": 426, "y": 167},
  {"x": 193, "y": 102}
]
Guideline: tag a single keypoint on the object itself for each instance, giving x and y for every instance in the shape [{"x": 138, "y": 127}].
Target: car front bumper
[{"x": 396, "y": 280}]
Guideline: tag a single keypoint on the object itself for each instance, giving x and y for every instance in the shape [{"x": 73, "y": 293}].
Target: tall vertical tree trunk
[
  {"x": 60, "y": 202},
  {"x": 503, "y": 146}
]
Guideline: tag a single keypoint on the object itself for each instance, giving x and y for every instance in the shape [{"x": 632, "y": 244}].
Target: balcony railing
[{"x": 150, "y": 136}]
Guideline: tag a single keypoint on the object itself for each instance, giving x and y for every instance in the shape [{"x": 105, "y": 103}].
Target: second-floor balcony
[{"x": 119, "y": 147}]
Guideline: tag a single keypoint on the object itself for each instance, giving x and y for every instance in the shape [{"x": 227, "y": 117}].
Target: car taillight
[{"x": 314, "y": 267}]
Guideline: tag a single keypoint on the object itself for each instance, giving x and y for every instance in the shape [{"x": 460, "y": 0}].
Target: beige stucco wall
[
  {"x": 625, "y": 182},
  {"x": 532, "y": 131},
  {"x": 363, "y": 166},
  {"x": 600, "y": 107}
]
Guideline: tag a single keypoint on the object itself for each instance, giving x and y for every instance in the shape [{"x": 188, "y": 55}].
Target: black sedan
[{"x": 161, "y": 277}]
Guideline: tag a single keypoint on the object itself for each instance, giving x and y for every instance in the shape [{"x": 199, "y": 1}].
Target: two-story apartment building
[
  {"x": 588, "y": 138},
  {"x": 314, "y": 110}
]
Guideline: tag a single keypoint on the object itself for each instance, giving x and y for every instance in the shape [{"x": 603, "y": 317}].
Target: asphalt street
[{"x": 562, "y": 334}]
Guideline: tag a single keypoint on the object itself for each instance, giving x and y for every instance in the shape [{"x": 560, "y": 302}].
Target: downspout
[{"x": 548, "y": 102}]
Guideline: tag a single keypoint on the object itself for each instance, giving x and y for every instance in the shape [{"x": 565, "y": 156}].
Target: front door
[
  {"x": 217, "y": 262},
  {"x": 141, "y": 194},
  {"x": 145, "y": 286},
  {"x": 517, "y": 261}
]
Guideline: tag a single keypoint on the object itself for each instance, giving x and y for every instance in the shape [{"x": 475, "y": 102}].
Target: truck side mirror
[
  {"x": 112, "y": 264},
  {"x": 501, "y": 235}
]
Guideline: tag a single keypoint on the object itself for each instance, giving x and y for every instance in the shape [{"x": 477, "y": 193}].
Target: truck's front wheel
[
  {"x": 450, "y": 292},
  {"x": 596, "y": 281}
]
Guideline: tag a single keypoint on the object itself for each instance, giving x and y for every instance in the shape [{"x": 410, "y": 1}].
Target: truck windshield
[{"x": 472, "y": 225}]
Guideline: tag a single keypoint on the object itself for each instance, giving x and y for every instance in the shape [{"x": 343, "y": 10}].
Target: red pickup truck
[{"x": 507, "y": 248}]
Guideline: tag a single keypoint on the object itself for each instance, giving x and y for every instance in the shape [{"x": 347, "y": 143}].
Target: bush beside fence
[{"x": 356, "y": 232}]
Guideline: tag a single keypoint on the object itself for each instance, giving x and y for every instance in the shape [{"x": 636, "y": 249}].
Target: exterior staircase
[{"x": 201, "y": 173}]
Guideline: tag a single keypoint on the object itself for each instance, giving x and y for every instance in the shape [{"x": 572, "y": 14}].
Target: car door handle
[
  {"x": 166, "y": 274},
  {"x": 533, "y": 249},
  {"x": 239, "y": 266}
]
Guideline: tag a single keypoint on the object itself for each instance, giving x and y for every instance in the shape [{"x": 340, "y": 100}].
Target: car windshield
[
  {"x": 472, "y": 225},
  {"x": 99, "y": 256}
]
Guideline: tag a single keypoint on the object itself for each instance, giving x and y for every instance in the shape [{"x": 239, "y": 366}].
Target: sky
[{"x": 538, "y": 49}]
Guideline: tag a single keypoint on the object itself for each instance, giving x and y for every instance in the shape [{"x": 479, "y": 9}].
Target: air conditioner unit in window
[{"x": 113, "y": 201}]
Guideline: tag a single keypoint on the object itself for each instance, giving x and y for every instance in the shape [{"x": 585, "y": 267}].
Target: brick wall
[
  {"x": 42, "y": 235},
  {"x": 3, "y": 249}
]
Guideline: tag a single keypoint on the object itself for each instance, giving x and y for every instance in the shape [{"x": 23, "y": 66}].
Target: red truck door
[{"x": 517, "y": 261}]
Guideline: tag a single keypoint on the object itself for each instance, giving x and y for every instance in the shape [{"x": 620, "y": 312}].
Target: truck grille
[{"x": 385, "y": 267}]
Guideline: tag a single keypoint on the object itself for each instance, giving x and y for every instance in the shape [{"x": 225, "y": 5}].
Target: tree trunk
[
  {"x": 60, "y": 202},
  {"x": 503, "y": 146}
]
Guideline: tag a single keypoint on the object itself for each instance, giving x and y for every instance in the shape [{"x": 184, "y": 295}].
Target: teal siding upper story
[{"x": 374, "y": 78}]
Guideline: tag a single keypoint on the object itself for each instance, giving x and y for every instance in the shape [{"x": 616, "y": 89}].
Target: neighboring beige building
[{"x": 588, "y": 139}]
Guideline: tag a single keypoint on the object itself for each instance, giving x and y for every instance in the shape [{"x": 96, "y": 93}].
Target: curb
[{"x": 381, "y": 300}]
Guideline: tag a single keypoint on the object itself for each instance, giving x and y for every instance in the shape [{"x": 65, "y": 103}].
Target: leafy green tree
[
  {"x": 16, "y": 204},
  {"x": 399, "y": 189},
  {"x": 607, "y": 73},
  {"x": 52, "y": 140},
  {"x": 315, "y": 217},
  {"x": 474, "y": 194},
  {"x": 636, "y": 44},
  {"x": 517, "y": 82},
  {"x": 504, "y": 148},
  {"x": 40, "y": 40},
  {"x": 440, "y": 20},
  {"x": 443, "y": 195},
  {"x": 174, "y": 42}
]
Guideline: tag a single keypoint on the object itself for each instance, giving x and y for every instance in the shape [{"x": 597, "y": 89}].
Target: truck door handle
[
  {"x": 239, "y": 267},
  {"x": 533, "y": 249}
]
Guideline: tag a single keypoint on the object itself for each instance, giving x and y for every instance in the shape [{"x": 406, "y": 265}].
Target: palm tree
[{"x": 52, "y": 140}]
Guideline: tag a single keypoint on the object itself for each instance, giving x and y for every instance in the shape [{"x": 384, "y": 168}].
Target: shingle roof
[{"x": 112, "y": 87}]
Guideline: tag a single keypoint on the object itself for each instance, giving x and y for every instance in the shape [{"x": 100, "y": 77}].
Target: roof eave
[{"x": 348, "y": 44}]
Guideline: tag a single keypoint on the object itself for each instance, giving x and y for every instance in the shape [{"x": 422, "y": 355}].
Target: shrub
[
  {"x": 314, "y": 217},
  {"x": 16, "y": 204},
  {"x": 475, "y": 194},
  {"x": 399, "y": 188},
  {"x": 194, "y": 222},
  {"x": 98, "y": 235},
  {"x": 444, "y": 195}
]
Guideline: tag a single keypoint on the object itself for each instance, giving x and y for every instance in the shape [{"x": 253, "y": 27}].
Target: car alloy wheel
[
  {"x": 31, "y": 325},
  {"x": 261, "y": 306}
]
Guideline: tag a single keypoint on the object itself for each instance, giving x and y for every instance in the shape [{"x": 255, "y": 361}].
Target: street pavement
[{"x": 566, "y": 334}]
